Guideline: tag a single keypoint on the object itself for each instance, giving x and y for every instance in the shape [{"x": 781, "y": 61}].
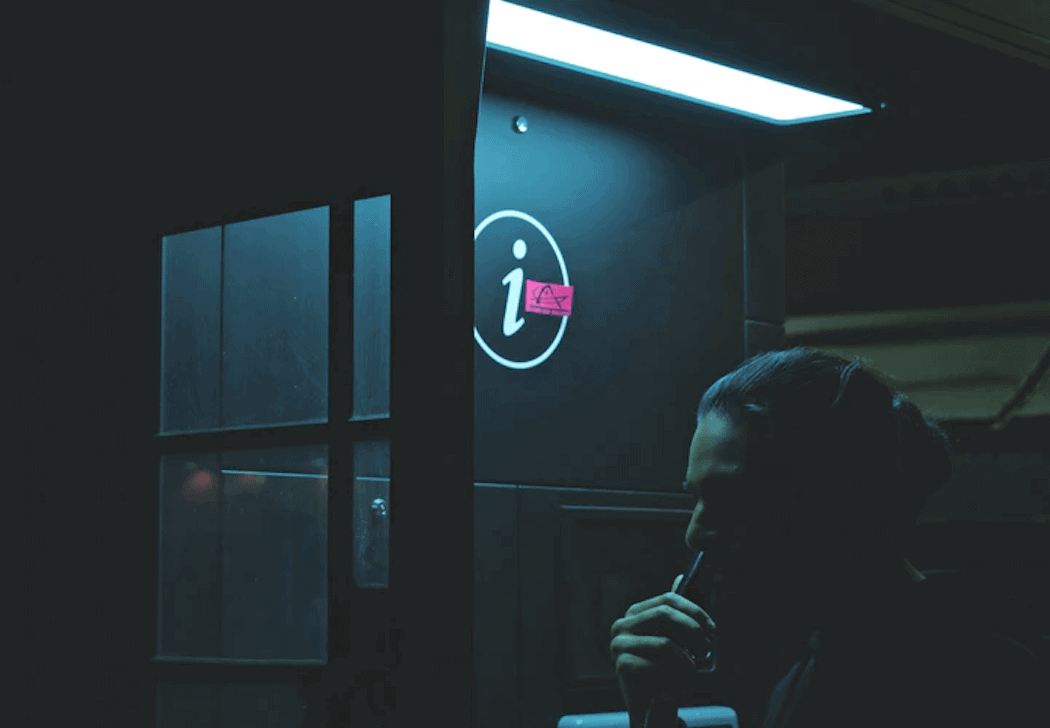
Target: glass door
[{"x": 273, "y": 459}]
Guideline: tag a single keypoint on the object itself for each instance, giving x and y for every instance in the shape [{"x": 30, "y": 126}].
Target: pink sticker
[{"x": 548, "y": 298}]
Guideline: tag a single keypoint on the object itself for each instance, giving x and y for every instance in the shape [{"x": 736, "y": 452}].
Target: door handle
[{"x": 371, "y": 533}]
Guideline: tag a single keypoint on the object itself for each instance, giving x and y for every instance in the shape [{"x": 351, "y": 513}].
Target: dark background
[{"x": 121, "y": 125}]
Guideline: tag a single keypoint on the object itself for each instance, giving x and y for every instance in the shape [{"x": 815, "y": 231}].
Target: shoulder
[
  {"x": 990, "y": 676},
  {"x": 970, "y": 648},
  {"x": 1011, "y": 686},
  {"x": 948, "y": 618},
  {"x": 1015, "y": 663}
]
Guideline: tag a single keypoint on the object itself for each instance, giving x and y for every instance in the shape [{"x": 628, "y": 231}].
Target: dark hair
[{"x": 839, "y": 441}]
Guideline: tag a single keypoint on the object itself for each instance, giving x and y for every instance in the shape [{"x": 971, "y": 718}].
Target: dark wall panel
[
  {"x": 764, "y": 224},
  {"x": 587, "y": 555},
  {"x": 760, "y": 336},
  {"x": 650, "y": 235},
  {"x": 496, "y": 608}
]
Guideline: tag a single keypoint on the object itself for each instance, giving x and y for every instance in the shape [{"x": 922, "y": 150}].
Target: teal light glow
[{"x": 532, "y": 34}]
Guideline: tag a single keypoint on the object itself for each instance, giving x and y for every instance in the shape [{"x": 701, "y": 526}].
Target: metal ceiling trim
[
  {"x": 815, "y": 327},
  {"x": 1023, "y": 393},
  {"x": 983, "y": 29},
  {"x": 888, "y": 194}
]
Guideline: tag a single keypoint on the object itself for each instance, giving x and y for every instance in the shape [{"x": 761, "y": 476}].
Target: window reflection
[{"x": 244, "y": 547}]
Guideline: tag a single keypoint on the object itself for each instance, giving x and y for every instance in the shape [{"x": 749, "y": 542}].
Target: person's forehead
[{"x": 718, "y": 443}]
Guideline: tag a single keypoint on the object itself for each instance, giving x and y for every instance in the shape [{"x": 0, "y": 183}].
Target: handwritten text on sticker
[{"x": 548, "y": 298}]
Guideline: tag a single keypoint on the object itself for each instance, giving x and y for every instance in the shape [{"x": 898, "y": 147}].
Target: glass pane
[
  {"x": 244, "y": 541},
  {"x": 275, "y": 540},
  {"x": 275, "y": 320},
  {"x": 372, "y": 459},
  {"x": 371, "y": 566},
  {"x": 372, "y": 306},
  {"x": 238, "y": 706},
  {"x": 189, "y": 349},
  {"x": 187, "y": 706},
  {"x": 190, "y": 587}
]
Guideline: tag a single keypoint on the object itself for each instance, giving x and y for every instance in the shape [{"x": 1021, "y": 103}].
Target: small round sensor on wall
[{"x": 521, "y": 124}]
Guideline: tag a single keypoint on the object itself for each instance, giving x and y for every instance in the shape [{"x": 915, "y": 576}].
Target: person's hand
[{"x": 651, "y": 646}]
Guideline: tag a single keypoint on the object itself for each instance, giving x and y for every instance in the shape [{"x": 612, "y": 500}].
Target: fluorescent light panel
[{"x": 532, "y": 34}]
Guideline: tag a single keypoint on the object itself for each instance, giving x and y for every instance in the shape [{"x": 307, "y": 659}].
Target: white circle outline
[{"x": 565, "y": 281}]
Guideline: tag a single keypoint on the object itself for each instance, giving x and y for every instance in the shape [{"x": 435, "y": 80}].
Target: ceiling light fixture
[{"x": 560, "y": 42}]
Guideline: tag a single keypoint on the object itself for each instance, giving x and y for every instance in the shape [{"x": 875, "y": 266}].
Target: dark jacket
[
  {"x": 934, "y": 663},
  {"x": 926, "y": 657}
]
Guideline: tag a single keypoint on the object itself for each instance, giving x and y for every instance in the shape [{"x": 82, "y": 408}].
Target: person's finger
[
  {"x": 677, "y": 581},
  {"x": 676, "y": 601}
]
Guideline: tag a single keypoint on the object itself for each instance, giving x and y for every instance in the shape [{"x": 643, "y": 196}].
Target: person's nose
[{"x": 698, "y": 535}]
